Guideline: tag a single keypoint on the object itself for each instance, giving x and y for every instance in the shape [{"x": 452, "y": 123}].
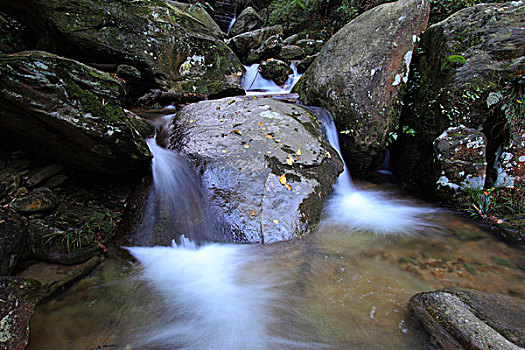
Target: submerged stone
[{"x": 265, "y": 164}]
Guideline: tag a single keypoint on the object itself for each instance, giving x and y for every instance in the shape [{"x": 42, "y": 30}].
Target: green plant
[
  {"x": 511, "y": 101},
  {"x": 494, "y": 204},
  {"x": 71, "y": 239}
]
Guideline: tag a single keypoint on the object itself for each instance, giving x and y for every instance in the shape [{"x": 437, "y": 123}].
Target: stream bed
[{"x": 338, "y": 288}]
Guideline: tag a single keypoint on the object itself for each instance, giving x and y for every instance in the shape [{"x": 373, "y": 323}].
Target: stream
[{"x": 345, "y": 286}]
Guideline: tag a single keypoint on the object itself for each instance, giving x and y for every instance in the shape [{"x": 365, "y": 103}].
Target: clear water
[{"x": 345, "y": 286}]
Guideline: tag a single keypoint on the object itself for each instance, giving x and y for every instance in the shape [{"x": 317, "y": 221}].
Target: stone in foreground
[
  {"x": 468, "y": 319},
  {"x": 266, "y": 165}
]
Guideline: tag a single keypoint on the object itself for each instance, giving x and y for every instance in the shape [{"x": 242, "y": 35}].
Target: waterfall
[
  {"x": 367, "y": 210},
  {"x": 255, "y": 84}
]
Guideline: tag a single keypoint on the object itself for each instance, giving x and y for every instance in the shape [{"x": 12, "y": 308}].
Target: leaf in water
[
  {"x": 288, "y": 186},
  {"x": 289, "y": 160},
  {"x": 298, "y": 152},
  {"x": 328, "y": 154},
  {"x": 268, "y": 136},
  {"x": 275, "y": 221},
  {"x": 235, "y": 131},
  {"x": 282, "y": 179}
]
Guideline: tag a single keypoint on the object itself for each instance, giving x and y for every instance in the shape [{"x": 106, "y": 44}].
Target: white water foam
[
  {"x": 210, "y": 303},
  {"x": 255, "y": 84},
  {"x": 367, "y": 210}
]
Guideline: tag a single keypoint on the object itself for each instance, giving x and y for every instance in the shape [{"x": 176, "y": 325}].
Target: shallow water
[{"x": 338, "y": 288}]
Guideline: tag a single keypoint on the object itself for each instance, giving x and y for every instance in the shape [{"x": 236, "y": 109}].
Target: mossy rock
[
  {"x": 460, "y": 61},
  {"x": 155, "y": 37},
  {"x": 79, "y": 120}
]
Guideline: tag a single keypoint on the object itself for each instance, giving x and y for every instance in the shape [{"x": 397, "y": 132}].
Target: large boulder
[
  {"x": 266, "y": 165},
  {"x": 13, "y": 238},
  {"x": 247, "y": 21},
  {"x": 18, "y": 299},
  {"x": 468, "y": 319},
  {"x": 359, "y": 76},
  {"x": 67, "y": 110},
  {"x": 169, "y": 46},
  {"x": 510, "y": 162},
  {"x": 463, "y": 62},
  {"x": 243, "y": 44}
]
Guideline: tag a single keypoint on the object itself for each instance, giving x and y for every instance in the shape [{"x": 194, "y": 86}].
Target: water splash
[
  {"x": 210, "y": 303},
  {"x": 367, "y": 210},
  {"x": 255, "y": 84}
]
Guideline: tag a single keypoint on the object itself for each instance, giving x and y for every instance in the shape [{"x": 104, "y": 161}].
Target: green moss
[
  {"x": 91, "y": 104},
  {"x": 453, "y": 61}
]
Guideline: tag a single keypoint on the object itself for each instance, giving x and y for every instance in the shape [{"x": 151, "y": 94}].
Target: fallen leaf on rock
[
  {"x": 223, "y": 151},
  {"x": 277, "y": 141},
  {"x": 282, "y": 179},
  {"x": 298, "y": 152},
  {"x": 191, "y": 120},
  {"x": 268, "y": 136},
  {"x": 275, "y": 221},
  {"x": 328, "y": 154},
  {"x": 235, "y": 131},
  {"x": 218, "y": 107},
  {"x": 253, "y": 212},
  {"x": 288, "y": 186},
  {"x": 259, "y": 124},
  {"x": 289, "y": 160},
  {"x": 231, "y": 101},
  {"x": 246, "y": 146}
]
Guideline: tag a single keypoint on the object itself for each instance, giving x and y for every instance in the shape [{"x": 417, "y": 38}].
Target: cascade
[
  {"x": 255, "y": 84},
  {"x": 367, "y": 210}
]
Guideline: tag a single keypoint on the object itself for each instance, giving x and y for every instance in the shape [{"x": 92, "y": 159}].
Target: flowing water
[
  {"x": 345, "y": 286},
  {"x": 255, "y": 84}
]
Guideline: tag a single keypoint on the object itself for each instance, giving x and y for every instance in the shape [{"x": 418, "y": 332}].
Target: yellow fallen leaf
[
  {"x": 298, "y": 152},
  {"x": 223, "y": 151},
  {"x": 277, "y": 141},
  {"x": 282, "y": 179},
  {"x": 235, "y": 131},
  {"x": 222, "y": 119},
  {"x": 218, "y": 107},
  {"x": 263, "y": 128},
  {"x": 288, "y": 186},
  {"x": 268, "y": 136},
  {"x": 289, "y": 160},
  {"x": 246, "y": 146},
  {"x": 254, "y": 212},
  {"x": 191, "y": 120},
  {"x": 259, "y": 124},
  {"x": 231, "y": 101},
  {"x": 255, "y": 97},
  {"x": 328, "y": 154},
  {"x": 275, "y": 221}
]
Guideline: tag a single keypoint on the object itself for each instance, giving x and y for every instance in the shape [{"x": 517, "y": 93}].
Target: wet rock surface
[
  {"x": 164, "y": 41},
  {"x": 469, "y": 319},
  {"x": 247, "y": 21},
  {"x": 67, "y": 110},
  {"x": 265, "y": 164},
  {"x": 243, "y": 44},
  {"x": 461, "y": 61},
  {"x": 18, "y": 297},
  {"x": 40, "y": 200},
  {"x": 275, "y": 70},
  {"x": 359, "y": 77},
  {"x": 13, "y": 237},
  {"x": 460, "y": 154},
  {"x": 510, "y": 162}
]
